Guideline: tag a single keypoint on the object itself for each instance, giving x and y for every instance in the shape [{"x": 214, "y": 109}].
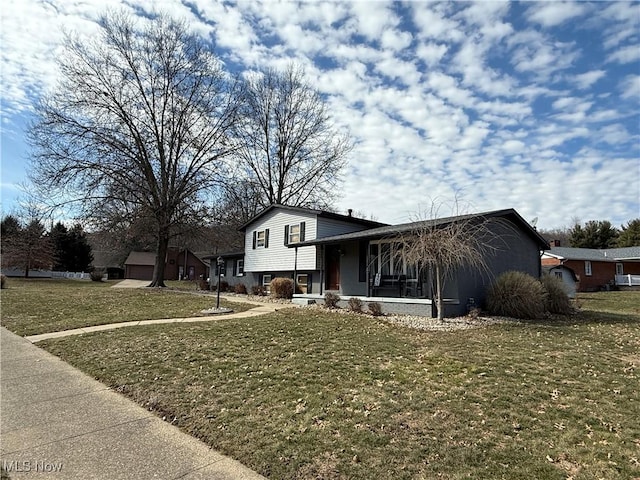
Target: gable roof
[
  {"x": 390, "y": 230},
  {"x": 319, "y": 213},
  {"x": 141, "y": 258},
  {"x": 594, "y": 254}
]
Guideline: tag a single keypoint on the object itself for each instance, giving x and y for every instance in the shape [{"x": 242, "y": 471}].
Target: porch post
[
  {"x": 321, "y": 269},
  {"x": 295, "y": 271},
  {"x": 368, "y": 268}
]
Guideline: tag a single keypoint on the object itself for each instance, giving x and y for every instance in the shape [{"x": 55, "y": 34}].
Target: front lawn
[
  {"x": 36, "y": 306},
  {"x": 305, "y": 393}
]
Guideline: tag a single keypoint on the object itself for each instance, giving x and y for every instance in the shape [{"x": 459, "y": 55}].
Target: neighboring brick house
[
  {"x": 179, "y": 264},
  {"x": 596, "y": 269}
]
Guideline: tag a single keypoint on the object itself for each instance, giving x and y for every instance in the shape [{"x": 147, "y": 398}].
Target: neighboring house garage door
[{"x": 139, "y": 272}]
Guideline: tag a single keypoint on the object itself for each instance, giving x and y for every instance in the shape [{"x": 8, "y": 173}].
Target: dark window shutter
[
  {"x": 255, "y": 234},
  {"x": 309, "y": 283},
  {"x": 302, "y": 225},
  {"x": 266, "y": 238},
  {"x": 286, "y": 234}
]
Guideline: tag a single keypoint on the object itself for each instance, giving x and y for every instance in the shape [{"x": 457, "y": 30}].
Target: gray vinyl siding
[
  {"x": 328, "y": 227},
  {"x": 349, "y": 270},
  {"x": 277, "y": 256},
  {"x": 514, "y": 250}
]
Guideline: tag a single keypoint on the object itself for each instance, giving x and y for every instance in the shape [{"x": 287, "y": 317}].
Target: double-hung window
[
  {"x": 587, "y": 268},
  {"x": 261, "y": 238},
  {"x": 294, "y": 233}
]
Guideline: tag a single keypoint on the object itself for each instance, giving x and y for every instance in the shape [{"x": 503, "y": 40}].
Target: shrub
[
  {"x": 96, "y": 275},
  {"x": 331, "y": 300},
  {"x": 204, "y": 285},
  {"x": 557, "y": 300},
  {"x": 282, "y": 287},
  {"x": 224, "y": 286},
  {"x": 240, "y": 289},
  {"x": 355, "y": 305},
  {"x": 375, "y": 309},
  {"x": 3, "y": 281},
  {"x": 518, "y": 295},
  {"x": 258, "y": 290}
]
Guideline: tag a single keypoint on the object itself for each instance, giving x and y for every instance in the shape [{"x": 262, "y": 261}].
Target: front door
[{"x": 333, "y": 268}]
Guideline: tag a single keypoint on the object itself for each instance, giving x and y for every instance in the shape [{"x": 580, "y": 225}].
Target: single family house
[{"x": 328, "y": 252}]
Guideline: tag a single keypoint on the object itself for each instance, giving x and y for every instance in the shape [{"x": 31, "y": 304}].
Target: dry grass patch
[
  {"x": 31, "y": 307},
  {"x": 314, "y": 394}
]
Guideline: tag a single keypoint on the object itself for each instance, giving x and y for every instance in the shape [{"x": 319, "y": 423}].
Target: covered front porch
[{"x": 374, "y": 270}]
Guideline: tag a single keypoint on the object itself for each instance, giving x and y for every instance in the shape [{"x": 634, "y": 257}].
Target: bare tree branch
[
  {"x": 287, "y": 144},
  {"x": 138, "y": 125}
]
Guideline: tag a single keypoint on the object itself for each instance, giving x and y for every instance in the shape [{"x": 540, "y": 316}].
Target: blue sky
[{"x": 532, "y": 105}]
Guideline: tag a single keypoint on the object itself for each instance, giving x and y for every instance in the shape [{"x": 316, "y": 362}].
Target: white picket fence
[
  {"x": 628, "y": 280},
  {"x": 74, "y": 275}
]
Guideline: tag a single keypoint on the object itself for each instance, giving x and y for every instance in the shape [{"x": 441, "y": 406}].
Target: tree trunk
[
  {"x": 439, "y": 301},
  {"x": 161, "y": 257}
]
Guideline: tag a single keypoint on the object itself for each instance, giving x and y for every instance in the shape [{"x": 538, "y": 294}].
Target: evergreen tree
[
  {"x": 72, "y": 248},
  {"x": 595, "y": 234},
  {"x": 630, "y": 234}
]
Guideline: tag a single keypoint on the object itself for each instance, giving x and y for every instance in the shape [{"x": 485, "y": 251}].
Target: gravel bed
[
  {"x": 427, "y": 323},
  {"x": 447, "y": 324}
]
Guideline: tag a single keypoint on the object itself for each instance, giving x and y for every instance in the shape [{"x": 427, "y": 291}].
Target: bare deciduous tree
[
  {"x": 287, "y": 144},
  {"x": 445, "y": 246},
  {"x": 137, "y": 127},
  {"x": 26, "y": 247}
]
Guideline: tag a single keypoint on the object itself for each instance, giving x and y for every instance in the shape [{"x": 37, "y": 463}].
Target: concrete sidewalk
[{"x": 58, "y": 423}]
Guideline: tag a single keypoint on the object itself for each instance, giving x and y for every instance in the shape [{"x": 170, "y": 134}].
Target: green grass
[
  {"x": 36, "y": 306},
  {"x": 310, "y": 394},
  {"x": 614, "y": 302}
]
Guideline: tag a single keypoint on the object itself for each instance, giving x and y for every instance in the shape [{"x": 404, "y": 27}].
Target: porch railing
[{"x": 628, "y": 280}]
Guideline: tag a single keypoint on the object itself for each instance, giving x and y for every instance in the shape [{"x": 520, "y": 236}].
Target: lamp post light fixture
[{"x": 220, "y": 262}]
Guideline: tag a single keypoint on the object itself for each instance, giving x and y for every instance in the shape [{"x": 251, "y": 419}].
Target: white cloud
[
  {"x": 630, "y": 86},
  {"x": 552, "y": 14},
  {"x": 587, "y": 79},
  {"x": 628, "y": 54}
]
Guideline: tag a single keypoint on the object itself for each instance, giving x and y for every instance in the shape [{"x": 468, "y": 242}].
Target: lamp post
[{"x": 220, "y": 262}]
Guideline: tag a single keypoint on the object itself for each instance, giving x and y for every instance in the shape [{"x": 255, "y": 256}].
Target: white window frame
[
  {"x": 261, "y": 242},
  {"x": 294, "y": 237},
  {"x": 239, "y": 268},
  {"x": 619, "y": 268},
  {"x": 267, "y": 284},
  {"x": 587, "y": 268},
  {"x": 302, "y": 284}
]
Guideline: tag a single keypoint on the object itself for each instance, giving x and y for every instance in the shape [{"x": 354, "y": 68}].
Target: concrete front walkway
[
  {"x": 261, "y": 309},
  {"x": 58, "y": 423}
]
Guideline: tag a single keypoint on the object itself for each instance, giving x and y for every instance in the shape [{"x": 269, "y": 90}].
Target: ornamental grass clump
[
  {"x": 355, "y": 305},
  {"x": 557, "y": 300},
  {"x": 518, "y": 295},
  {"x": 375, "y": 309},
  {"x": 282, "y": 288},
  {"x": 331, "y": 300}
]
